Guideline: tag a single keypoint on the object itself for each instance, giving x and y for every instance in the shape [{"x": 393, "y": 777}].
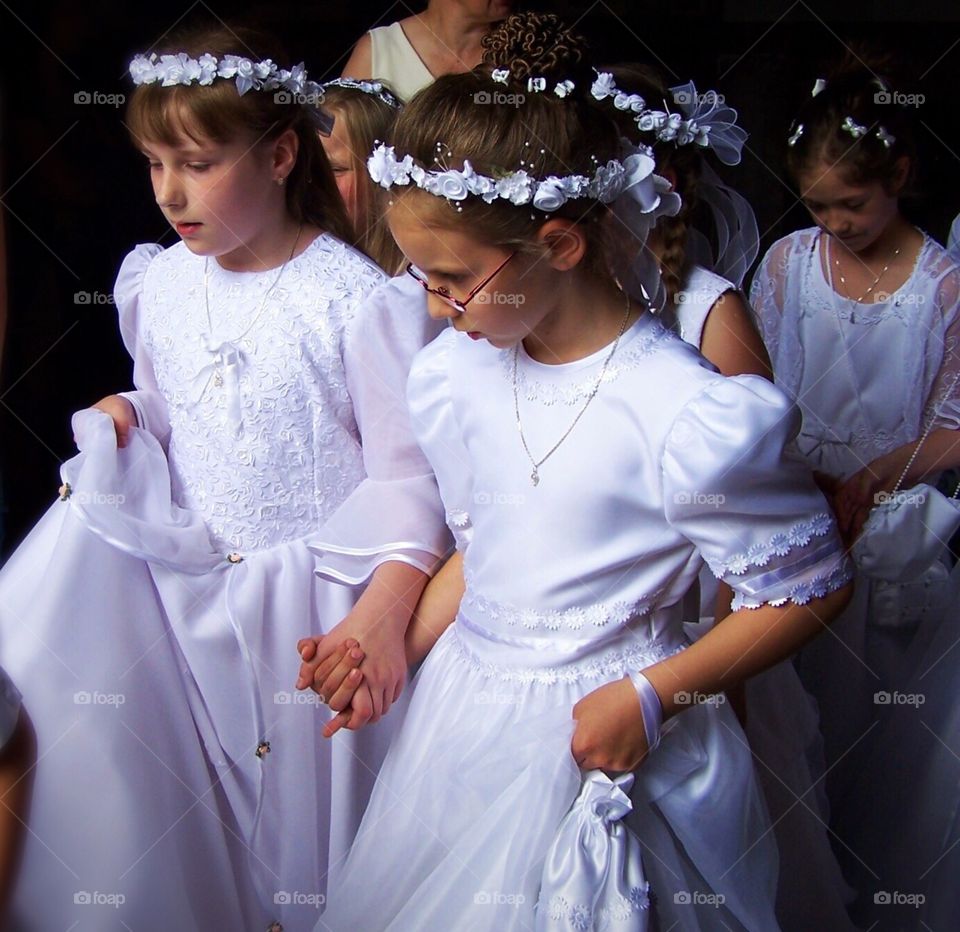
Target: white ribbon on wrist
[{"x": 650, "y": 708}]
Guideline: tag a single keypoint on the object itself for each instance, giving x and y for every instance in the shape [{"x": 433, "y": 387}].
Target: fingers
[
  {"x": 343, "y": 694},
  {"x": 362, "y": 709},
  {"x": 307, "y": 648},
  {"x": 336, "y": 671},
  {"x": 340, "y": 720}
]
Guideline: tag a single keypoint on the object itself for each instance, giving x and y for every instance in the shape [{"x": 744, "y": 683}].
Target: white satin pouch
[
  {"x": 906, "y": 534},
  {"x": 900, "y": 549},
  {"x": 593, "y": 874}
]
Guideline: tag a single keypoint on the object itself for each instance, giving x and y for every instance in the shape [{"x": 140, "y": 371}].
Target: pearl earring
[{"x": 280, "y": 181}]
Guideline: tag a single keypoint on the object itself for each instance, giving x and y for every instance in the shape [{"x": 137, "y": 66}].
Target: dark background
[{"x": 76, "y": 197}]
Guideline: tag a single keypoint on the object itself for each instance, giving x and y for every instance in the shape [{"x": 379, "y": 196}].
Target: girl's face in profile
[{"x": 341, "y": 158}]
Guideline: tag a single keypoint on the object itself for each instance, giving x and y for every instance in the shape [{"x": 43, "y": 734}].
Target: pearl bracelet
[{"x": 650, "y": 708}]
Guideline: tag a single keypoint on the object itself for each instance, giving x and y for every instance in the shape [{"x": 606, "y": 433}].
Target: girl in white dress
[
  {"x": 860, "y": 315},
  {"x": 363, "y": 114},
  {"x": 703, "y": 252},
  {"x": 151, "y": 617},
  {"x": 585, "y": 455}
]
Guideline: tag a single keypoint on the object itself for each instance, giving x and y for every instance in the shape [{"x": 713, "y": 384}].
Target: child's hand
[
  {"x": 123, "y": 414},
  {"x": 336, "y": 677},
  {"x": 609, "y": 733},
  {"x": 384, "y": 665}
]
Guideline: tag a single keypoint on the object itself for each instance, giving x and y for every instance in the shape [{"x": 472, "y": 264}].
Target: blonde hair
[
  {"x": 218, "y": 112},
  {"x": 461, "y": 116},
  {"x": 367, "y": 119}
]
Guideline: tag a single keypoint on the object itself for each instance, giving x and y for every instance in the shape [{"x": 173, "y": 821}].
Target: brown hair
[
  {"x": 857, "y": 91},
  {"x": 501, "y": 128},
  {"x": 218, "y": 112},
  {"x": 684, "y": 162},
  {"x": 367, "y": 119}
]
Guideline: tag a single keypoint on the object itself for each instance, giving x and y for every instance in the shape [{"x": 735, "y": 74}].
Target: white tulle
[
  {"x": 571, "y": 584},
  {"x": 178, "y": 573}
]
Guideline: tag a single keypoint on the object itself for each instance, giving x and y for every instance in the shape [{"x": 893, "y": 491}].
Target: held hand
[
  {"x": 609, "y": 733},
  {"x": 338, "y": 681},
  {"x": 384, "y": 665},
  {"x": 335, "y": 678},
  {"x": 123, "y": 414}
]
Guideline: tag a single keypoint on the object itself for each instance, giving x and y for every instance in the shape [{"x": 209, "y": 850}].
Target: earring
[{"x": 280, "y": 181}]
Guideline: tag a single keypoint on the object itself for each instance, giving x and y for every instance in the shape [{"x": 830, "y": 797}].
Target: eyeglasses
[{"x": 445, "y": 295}]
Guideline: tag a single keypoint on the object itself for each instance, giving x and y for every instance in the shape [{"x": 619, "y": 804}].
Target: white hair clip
[
  {"x": 818, "y": 86},
  {"x": 373, "y": 88},
  {"x": 854, "y": 129},
  {"x": 500, "y": 75},
  {"x": 536, "y": 85},
  {"x": 795, "y": 135},
  {"x": 563, "y": 88},
  {"x": 886, "y": 138}
]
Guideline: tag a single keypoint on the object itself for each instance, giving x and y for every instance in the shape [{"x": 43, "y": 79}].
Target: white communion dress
[
  {"x": 869, "y": 378},
  {"x": 781, "y": 724},
  {"x": 572, "y": 583},
  {"x": 151, "y": 617}
]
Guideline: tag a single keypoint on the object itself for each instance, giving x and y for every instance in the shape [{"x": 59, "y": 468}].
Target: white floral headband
[
  {"x": 520, "y": 187},
  {"x": 289, "y": 86},
  {"x": 373, "y": 88},
  {"x": 703, "y": 120}
]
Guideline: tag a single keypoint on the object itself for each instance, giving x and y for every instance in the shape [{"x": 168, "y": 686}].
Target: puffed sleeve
[
  {"x": 437, "y": 431},
  {"x": 149, "y": 404},
  {"x": 395, "y": 514},
  {"x": 736, "y": 489}
]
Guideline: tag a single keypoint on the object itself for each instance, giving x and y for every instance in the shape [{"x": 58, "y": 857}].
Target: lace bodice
[
  {"x": 868, "y": 376},
  {"x": 263, "y": 436}
]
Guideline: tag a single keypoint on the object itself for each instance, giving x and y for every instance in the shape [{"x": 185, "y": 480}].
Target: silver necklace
[
  {"x": 536, "y": 464},
  {"x": 219, "y": 362},
  {"x": 843, "y": 281}
]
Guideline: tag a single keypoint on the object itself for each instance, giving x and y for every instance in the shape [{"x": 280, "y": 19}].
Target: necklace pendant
[
  {"x": 535, "y": 476},
  {"x": 218, "y": 379}
]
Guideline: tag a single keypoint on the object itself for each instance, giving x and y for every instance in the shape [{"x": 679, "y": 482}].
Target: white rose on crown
[{"x": 550, "y": 194}]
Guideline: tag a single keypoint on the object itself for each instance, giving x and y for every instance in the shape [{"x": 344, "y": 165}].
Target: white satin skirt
[
  {"x": 154, "y": 670},
  {"x": 480, "y": 812}
]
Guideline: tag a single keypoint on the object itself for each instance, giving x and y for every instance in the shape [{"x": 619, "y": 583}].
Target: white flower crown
[
  {"x": 704, "y": 120},
  {"x": 520, "y": 187},
  {"x": 373, "y": 88},
  {"x": 171, "y": 70}
]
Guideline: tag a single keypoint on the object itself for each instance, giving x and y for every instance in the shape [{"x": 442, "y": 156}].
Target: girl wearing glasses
[{"x": 567, "y": 759}]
